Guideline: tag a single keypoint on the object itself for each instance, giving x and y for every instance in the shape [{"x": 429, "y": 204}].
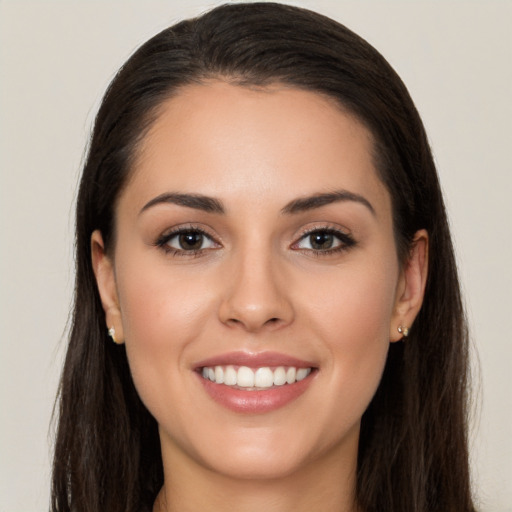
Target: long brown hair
[{"x": 413, "y": 447}]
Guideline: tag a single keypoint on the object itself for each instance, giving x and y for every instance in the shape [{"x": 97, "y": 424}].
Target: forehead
[{"x": 226, "y": 140}]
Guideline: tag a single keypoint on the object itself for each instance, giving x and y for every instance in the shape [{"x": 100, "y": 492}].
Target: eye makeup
[{"x": 192, "y": 241}]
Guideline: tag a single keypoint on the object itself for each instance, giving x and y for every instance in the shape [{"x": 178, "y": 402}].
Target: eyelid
[
  {"x": 166, "y": 236},
  {"x": 345, "y": 238},
  {"x": 313, "y": 227}
]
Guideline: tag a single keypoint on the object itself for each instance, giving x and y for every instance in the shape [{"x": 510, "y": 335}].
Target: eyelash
[
  {"x": 346, "y": 241},
  {"x": 163, "y": 241}
]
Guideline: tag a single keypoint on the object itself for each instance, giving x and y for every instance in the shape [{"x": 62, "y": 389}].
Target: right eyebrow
[
  {"x": 196, "y": 201},
  {"x": 303, "y": 204}
]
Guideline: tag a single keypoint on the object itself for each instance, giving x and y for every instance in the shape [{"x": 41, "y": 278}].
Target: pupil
[
  {"x": 321, "y": 240},
  {"x": 191, "y": 241}
]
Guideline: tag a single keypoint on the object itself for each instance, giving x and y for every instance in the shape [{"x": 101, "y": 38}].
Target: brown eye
[
  {"x": 325, "y": 241},
  {"x": 187, "y": 240},
  {"x": 321, "y": 240},
  {"x": 191, "y": 241}
]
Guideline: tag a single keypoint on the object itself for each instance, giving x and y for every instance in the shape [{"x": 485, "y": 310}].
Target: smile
[
  {"x": 250, "y": 383},
  {"x": 254, "y": 379}
]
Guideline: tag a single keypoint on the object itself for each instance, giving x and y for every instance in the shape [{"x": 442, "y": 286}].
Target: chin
[
  {"x": 259, "y": 465},
  {"x": 274, "y": 453}
]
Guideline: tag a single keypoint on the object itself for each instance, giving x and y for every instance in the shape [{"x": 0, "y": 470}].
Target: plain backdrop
[{"x": 57, "y": 57}]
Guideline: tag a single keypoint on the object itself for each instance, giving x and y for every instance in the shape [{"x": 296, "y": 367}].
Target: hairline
[{"x": 271, "y": 84}]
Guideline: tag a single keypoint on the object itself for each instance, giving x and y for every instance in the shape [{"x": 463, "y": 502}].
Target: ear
[
  {"x": 411, "y": 287},
  {"x": 105, "y": 279}
]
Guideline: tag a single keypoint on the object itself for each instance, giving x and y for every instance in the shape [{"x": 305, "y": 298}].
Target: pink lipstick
[{"x": 255, "y": 383}]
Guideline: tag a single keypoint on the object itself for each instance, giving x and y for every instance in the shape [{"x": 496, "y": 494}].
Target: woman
[{"x": 267, "y": 311}]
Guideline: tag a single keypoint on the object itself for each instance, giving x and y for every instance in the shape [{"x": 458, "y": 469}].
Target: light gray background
[{"x": 56, "y": 58}]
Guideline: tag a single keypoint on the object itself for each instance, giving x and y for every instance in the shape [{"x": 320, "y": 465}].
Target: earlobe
[
  {"x": 105, "y": 280},
  {"x": 411, "y": 288}
]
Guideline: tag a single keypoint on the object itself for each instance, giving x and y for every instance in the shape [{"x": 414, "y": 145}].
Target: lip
[
  {"x": 255, "y": 360},
  {"x": 255, "y": 401}
]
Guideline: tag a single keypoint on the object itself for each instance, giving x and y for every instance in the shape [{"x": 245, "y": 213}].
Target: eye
[
  {"x": 325, "y": 241},
  {"x": 186, "y": 240}
]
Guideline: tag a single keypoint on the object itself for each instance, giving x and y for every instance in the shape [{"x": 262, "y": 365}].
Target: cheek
[
  {"x": 352, "y": 316},
  {"x": 160, "y": 304},
  {"x": 353, "y": 307},
  {"x": 163, "y": 311}
]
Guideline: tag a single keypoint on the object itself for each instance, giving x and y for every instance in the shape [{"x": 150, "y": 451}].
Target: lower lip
[{"x": 256, "y": 402}]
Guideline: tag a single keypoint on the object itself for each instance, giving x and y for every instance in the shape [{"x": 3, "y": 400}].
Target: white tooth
[
  {"x": 219, "y": 375},
  {"x": 211, "y": 374},
  {"x": 245, "y": 377},
  {"x": 230, "y": 376},
  {"x": 279, "y": 376},
  {"x": 290, "y": 375},
  {"x": 302, "y": 373},
  {"x": 205, "y": 372},
  {"x": 263, "y": 378}
]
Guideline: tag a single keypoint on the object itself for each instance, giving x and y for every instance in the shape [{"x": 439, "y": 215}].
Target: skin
[{"x": 257, "y": 285}]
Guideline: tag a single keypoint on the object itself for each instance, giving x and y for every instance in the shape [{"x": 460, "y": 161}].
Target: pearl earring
[
  {"x": 403, "y": 330},
  {"x": 112, "y": 334}
]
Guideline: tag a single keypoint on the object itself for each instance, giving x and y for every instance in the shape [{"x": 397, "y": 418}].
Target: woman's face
[{"x": 255, "y": 247}]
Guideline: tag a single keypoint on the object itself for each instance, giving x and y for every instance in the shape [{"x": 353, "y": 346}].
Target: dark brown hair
[{"x": 413, "y": 447}]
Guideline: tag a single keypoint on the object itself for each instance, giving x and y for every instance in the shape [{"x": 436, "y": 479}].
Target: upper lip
[{"x": 254, "y": 360}]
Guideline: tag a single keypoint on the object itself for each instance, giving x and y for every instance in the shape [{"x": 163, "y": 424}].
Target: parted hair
[{"x": 413, "y": 453}]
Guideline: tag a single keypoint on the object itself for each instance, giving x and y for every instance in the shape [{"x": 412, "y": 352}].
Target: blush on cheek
[
  {"x": 359, "y": 310},
  {"x": 356, "y": 321}
]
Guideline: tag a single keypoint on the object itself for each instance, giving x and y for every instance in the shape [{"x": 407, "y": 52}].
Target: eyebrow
[
  {"x": 196, "y": 201},
  {"x": 304, "y": 204}
]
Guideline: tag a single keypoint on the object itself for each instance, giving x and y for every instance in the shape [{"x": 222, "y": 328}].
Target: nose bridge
[{"x": 255, "y": 295}]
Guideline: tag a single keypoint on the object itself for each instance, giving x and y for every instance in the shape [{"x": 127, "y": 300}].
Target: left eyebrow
[
  {"x": 304, "y": 204},
  {"x": 195, "y": 201}
]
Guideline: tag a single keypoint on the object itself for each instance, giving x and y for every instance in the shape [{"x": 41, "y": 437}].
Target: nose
[{"x": 255, "y": 295}]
